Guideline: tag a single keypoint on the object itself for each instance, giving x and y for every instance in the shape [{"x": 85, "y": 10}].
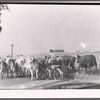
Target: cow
[
  {"x": 32, "y": 66},
  {"x": 69, "y": 62},
  {"x": 4, "y": 68},
  {"x": 86, "y": 61},
  {"x": 20, "y": 69},
  {"x": 42, "y": 66},
  {"x": 67, "y": 65},
  {"x": 11, "y": 63}
]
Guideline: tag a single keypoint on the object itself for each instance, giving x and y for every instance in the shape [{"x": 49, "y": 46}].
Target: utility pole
[
  {"x": 0, "y": 22},
  {"x": 12, "y": 45}
]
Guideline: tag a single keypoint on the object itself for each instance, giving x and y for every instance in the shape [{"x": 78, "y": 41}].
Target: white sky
[{"x": 38, "y": 28}]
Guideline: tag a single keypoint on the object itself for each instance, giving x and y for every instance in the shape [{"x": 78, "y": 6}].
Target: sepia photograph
[{"x": 44, "y": 47}]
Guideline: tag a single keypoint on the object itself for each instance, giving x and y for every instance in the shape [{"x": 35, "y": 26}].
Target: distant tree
[
  {"x": 21, "y": 55},
  {"x": 8, "y": 55},
  {"x": 77, "y": 51},
  {"x": 2, "y": 7}
]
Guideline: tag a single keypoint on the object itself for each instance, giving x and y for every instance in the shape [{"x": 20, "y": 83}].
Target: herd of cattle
[{"x": 40, "y": 68}]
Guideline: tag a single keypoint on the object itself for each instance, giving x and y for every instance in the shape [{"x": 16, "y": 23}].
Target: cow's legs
[
  {"x": 31, "y": 74},
  {"x": 97, "y": 73},
  {"x": 2, "y": 75},
  {"x": 41, "y": 74},
  {"x": 36, "y": 74},
  {"x": 7, "y": 75},
  {"x": 86, "y": 69},
  {"x": 89, "y": 66},
  {"x": 73, "y": 68},
  {"x": 96, "y": 69},
  {"x": 79, "y": 69},
  {"x": 90, "y": 70},
  {"x": 26, "y": 73}
]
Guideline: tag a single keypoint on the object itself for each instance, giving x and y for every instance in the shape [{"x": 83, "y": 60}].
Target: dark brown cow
[
  {"x": 69, "y": 61},
  {"x": 42, "y": 66},
  {"x": 87, "y": 61}
]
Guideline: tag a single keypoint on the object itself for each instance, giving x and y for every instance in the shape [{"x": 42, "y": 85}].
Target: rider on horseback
[{"x": 52, "y": 57}]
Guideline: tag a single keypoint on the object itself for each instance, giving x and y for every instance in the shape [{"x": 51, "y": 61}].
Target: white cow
[
  {"x": 32, "y": 66},
  {"x": 11, "y": 65},
  {"x": 20, "y": 62}
]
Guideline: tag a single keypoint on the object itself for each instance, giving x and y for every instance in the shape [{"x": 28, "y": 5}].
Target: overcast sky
[{"x": 38, "y": 28}]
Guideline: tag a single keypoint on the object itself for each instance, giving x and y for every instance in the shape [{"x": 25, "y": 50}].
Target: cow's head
[{"x": 30, "y": 59}]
